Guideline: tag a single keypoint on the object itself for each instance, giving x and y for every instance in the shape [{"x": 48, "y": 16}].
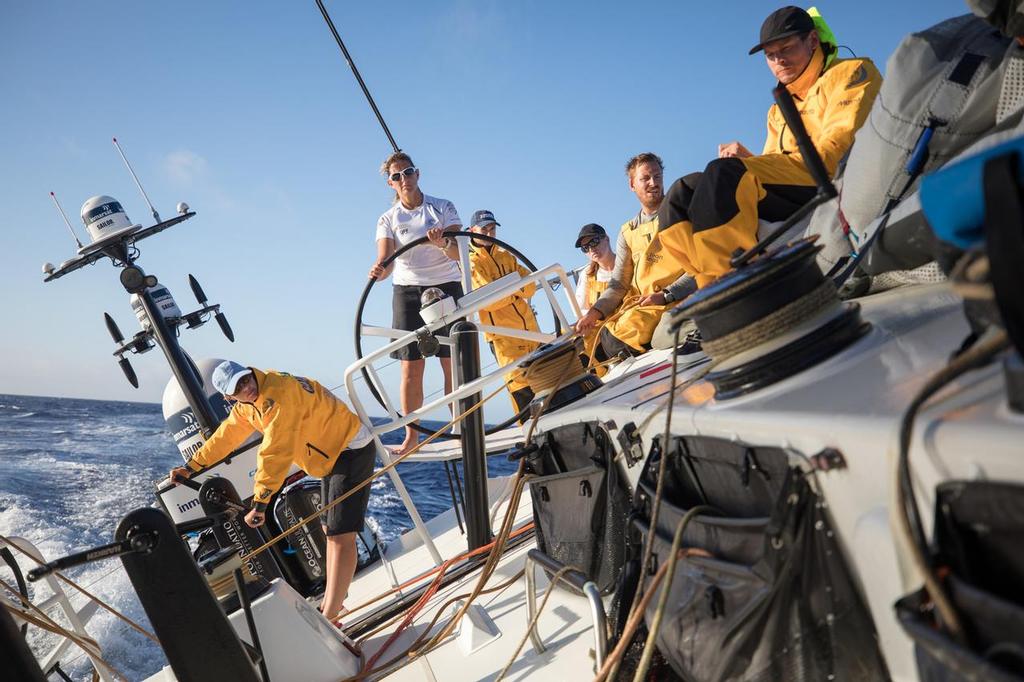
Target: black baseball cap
[
  {"x": 782, "y": 23},
  {"x": 590, "y": 230}
]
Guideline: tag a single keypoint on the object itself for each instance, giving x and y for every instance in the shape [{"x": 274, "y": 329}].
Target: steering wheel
[{"x": 366, "y": 292}]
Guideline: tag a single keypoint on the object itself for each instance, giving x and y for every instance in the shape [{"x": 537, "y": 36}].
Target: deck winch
[
  {"x": 557, "y": 367},
  {"x": 771, "y": 318}
]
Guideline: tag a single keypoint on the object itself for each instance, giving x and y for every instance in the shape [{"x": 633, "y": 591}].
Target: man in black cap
[{"x": 706, "y": 217}]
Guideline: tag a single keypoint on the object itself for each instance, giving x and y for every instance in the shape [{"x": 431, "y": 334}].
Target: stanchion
[{"x": 474, "y": 450}]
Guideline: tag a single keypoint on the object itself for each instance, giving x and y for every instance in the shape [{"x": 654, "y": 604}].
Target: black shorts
[
  {"x": 351, "y": 468},
  {"x": 405, "y": 314}
]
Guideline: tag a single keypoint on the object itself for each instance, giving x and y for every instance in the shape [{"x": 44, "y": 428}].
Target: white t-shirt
[
  {"x": 425, "y": 264},
  {"x": 581, "y": 285}
]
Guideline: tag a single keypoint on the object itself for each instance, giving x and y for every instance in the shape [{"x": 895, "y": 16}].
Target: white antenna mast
[
  {"x": 66, "y": 221},
  {"x": 156, "y": 216}
]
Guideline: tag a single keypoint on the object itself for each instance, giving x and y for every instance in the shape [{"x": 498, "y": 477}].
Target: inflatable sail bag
[{"x": 941, "y": 94}]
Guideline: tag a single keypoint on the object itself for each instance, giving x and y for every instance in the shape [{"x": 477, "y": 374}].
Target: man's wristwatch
[{"x": 669, "y": 298}]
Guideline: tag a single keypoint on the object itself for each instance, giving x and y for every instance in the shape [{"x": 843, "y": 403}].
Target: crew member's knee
[{"x": 714, "y": 200}]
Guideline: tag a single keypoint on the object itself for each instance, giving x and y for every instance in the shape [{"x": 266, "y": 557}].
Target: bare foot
[
  {"x": 336, "y": 617},
  {"x": 411, "y": 441}
]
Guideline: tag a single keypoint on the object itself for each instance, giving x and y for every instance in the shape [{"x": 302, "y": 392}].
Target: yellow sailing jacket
[
  {"x": 658, "y": 262},
  {"x": 487, "y": 265},
  {"x": 638, "y": 236},
  {"x": 301, "y": 422},
  {"x": 833, "y": 102},
  {"x": 594, "y": 287}
]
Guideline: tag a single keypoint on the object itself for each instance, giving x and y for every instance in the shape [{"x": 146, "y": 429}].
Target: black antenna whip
[{"x": 355, "y": 71}]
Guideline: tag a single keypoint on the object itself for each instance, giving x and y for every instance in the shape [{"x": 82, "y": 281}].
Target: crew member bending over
[
  {"x": 303, "y": 424},
  {"x": 706, "y": 218},
  {"x": 488, "y": 262}
]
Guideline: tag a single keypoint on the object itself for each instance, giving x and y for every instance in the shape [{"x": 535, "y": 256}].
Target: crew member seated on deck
[
  {"x": 594, "y": 278},
  {"x": 646, "y": 279},
  {"x": 303, "y": 424},
  {"x": 488, "y": 262},
  {"x": 707, "y": 217}
]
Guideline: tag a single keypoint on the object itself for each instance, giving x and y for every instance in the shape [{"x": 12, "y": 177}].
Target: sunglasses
[
  {"x": 588, "y": 246},
  {"x": 395, "y": 177}
]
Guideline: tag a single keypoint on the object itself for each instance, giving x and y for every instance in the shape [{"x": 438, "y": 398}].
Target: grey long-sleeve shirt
[{"x": 622, "y": 274}]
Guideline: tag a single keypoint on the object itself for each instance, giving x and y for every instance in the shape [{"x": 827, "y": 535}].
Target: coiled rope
[{"x": 774, "y": 324}]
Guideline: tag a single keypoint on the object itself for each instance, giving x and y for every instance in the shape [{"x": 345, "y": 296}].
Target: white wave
[{"x": 131, "y": 653}]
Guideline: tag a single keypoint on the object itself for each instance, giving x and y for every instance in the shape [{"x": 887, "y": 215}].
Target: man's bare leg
[
  {"x": 411, "y": 393},
  {"x": 341, "y": 566}
]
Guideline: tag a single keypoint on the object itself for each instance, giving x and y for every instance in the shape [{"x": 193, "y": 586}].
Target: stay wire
[{"x": 355, "y": 72}]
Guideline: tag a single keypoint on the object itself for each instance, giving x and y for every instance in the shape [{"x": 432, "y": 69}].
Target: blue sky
[{"x": 248, "y": 112}]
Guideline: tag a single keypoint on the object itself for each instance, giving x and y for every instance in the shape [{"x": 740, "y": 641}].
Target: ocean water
[{"x": 70, "y": 469}]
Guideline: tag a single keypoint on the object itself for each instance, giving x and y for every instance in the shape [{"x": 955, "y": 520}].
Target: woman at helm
[{"x": 414, "y": 215}]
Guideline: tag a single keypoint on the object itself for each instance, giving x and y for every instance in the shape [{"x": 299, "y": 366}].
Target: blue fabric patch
[{"x": 953, "y": 198}]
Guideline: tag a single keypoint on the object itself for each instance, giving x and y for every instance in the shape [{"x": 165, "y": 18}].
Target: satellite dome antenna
[{"x": 115, "y": 238}]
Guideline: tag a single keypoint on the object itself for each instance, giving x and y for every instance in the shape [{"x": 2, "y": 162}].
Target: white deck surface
[
  {"x": 566, "y": 619},
  {"x": 451, "y": 449}
]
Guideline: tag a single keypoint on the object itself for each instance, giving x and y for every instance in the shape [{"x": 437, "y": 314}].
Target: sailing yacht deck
[{"x": 476, "y": 652}]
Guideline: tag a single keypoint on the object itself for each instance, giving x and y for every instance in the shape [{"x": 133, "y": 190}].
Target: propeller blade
[
  {"x": 225, "y": 327},
  {"x": 115, "y": 333},
  {"x": 197, "y": 290},
  {"x": 129, "y": 373}
]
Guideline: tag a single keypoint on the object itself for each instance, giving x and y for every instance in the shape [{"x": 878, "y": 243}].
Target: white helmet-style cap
[{"x": 103, "y": 215}]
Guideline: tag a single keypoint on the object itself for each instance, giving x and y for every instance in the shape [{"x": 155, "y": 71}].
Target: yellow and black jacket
[
  {"x": 833, "y": 103},
  {"x": 654, "y": 269},
  {"x": 487, "y": 265},
  {"x": 301, "y": 422},
  {"x": 707, "y": 223},
  {"x": 595, "y": 287}
]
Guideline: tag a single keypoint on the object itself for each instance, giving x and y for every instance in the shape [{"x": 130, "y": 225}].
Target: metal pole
[
  {"x": 355, "y": 72},
  {"x": 243, "y": 599},
  {"x": 180, "y": 366},
  {"x": 474, "y": 452}
]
